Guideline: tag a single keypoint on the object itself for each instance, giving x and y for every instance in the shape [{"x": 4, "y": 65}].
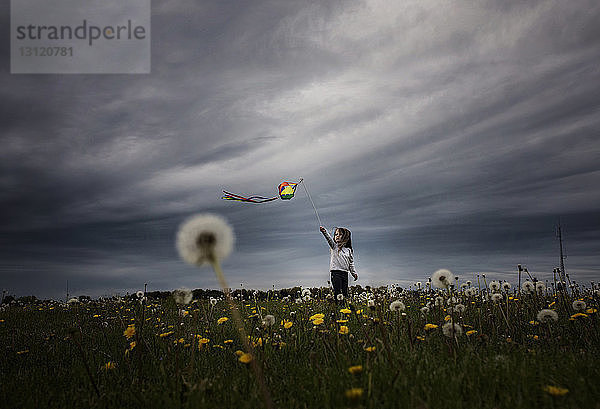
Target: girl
[{"x": 342, "y": 260}]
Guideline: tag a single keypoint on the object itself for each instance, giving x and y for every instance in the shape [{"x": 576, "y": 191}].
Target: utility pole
[{"x": 562, "y": 273}]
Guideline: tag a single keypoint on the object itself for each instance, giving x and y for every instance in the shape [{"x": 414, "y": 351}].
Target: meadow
[{"x": 467, "y": 346}]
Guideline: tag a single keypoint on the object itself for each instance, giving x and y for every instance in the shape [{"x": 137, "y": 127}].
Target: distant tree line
[{"x": 200, "y": 294}]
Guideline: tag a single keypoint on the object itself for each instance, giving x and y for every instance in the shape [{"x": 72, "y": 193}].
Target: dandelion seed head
[
  {"x": 442, "y": 278},
  {"x": 459, "y": 308},
  {"x": 528, "y": 287},
  {"x": 397, "y": 306},
  {"x": 182, "y": 295},
  {"x": 579, "y": 305},
  {"x": 497, "y": 297},
  {"x": 452, "y": 301},
  {"x": 204, "y": 238},
  {"x": 506, "y": 286},
  {"x": 268, "y": 320},
  {"x": 547, "y": 316},
  {"x": 451, "y": 329},
  {"x": 340, "y": 297},
  {"x": 494, "y": 285}
]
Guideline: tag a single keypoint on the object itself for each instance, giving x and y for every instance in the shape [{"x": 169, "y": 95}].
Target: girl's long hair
[{"x": 346, "y": 237}]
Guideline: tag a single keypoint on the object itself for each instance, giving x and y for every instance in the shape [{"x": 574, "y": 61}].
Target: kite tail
[{"x": 251, "y": 199}]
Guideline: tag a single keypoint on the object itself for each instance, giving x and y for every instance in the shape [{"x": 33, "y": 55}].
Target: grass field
[{"x": 315, "y": 353}]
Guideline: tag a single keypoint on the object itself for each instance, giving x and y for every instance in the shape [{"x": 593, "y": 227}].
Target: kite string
[{"x": 311, "y": 201}]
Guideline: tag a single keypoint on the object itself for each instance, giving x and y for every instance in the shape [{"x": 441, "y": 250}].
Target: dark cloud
[{"x": 441, "y": 135}]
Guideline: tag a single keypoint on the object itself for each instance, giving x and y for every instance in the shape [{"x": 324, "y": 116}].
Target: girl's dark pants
[{"x": 339, "y": 280}]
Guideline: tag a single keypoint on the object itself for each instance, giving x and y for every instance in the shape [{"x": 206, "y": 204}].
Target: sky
[{"x": 442, "y": 134}]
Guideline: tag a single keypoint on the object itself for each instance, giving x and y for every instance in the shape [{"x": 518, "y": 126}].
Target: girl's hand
[
  {"x": 355, "y": 276},
  {"x": 323, "y": 230}
]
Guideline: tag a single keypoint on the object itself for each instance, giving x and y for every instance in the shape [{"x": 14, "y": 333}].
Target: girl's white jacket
[{"x": 341, "y": 257}]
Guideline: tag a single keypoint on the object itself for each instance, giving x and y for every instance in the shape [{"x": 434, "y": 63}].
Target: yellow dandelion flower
[
  {"x": 534, "y": 322},
  {"x": 316, "y": 316},
  {"x": 345, "y": 311},
  {"x": 370, "y": 349},
  {"x": 109, "y": 365},
  {"x": 318, "y": 321},
  {"x": 420, "y": 338},
  {"x": 577, "y": 316},
  {"x": 354, "y": 393},
  {"x": 341, "y": 321},
  {"x": 239, "y": 353},
  {"x": 132, "y": 345},
  {"x": 287, "y": 324},
  {"x": 355, "y": 370},
  {"x": 245, "y": 358},
  {"x": 166, "y": 334},
  {"x": 344, "y": 330},
  {"x": 228, "y": 341},
  {"x": 591, "y": 311},
  {"x": 471, "y": 332},
  {"x": 430, "y": 326},
  {"x": 555, "y": 390},
  {"x": 358, "y": 312},
  {"x": 129, "y": 332},
  {"x": 447, "y": 318},
  {"x": 96, "y": 316},
  {"x": 222, "y": 320}
]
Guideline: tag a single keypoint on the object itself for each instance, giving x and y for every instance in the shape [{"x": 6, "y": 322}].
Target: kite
[{"x": 286, "y": 192}]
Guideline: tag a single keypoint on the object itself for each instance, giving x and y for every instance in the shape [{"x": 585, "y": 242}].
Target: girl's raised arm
[{"x": 327, "y": 236}]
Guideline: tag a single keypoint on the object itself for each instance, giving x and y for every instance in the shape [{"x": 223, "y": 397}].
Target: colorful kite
[{"x": 286, "y": 192}]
